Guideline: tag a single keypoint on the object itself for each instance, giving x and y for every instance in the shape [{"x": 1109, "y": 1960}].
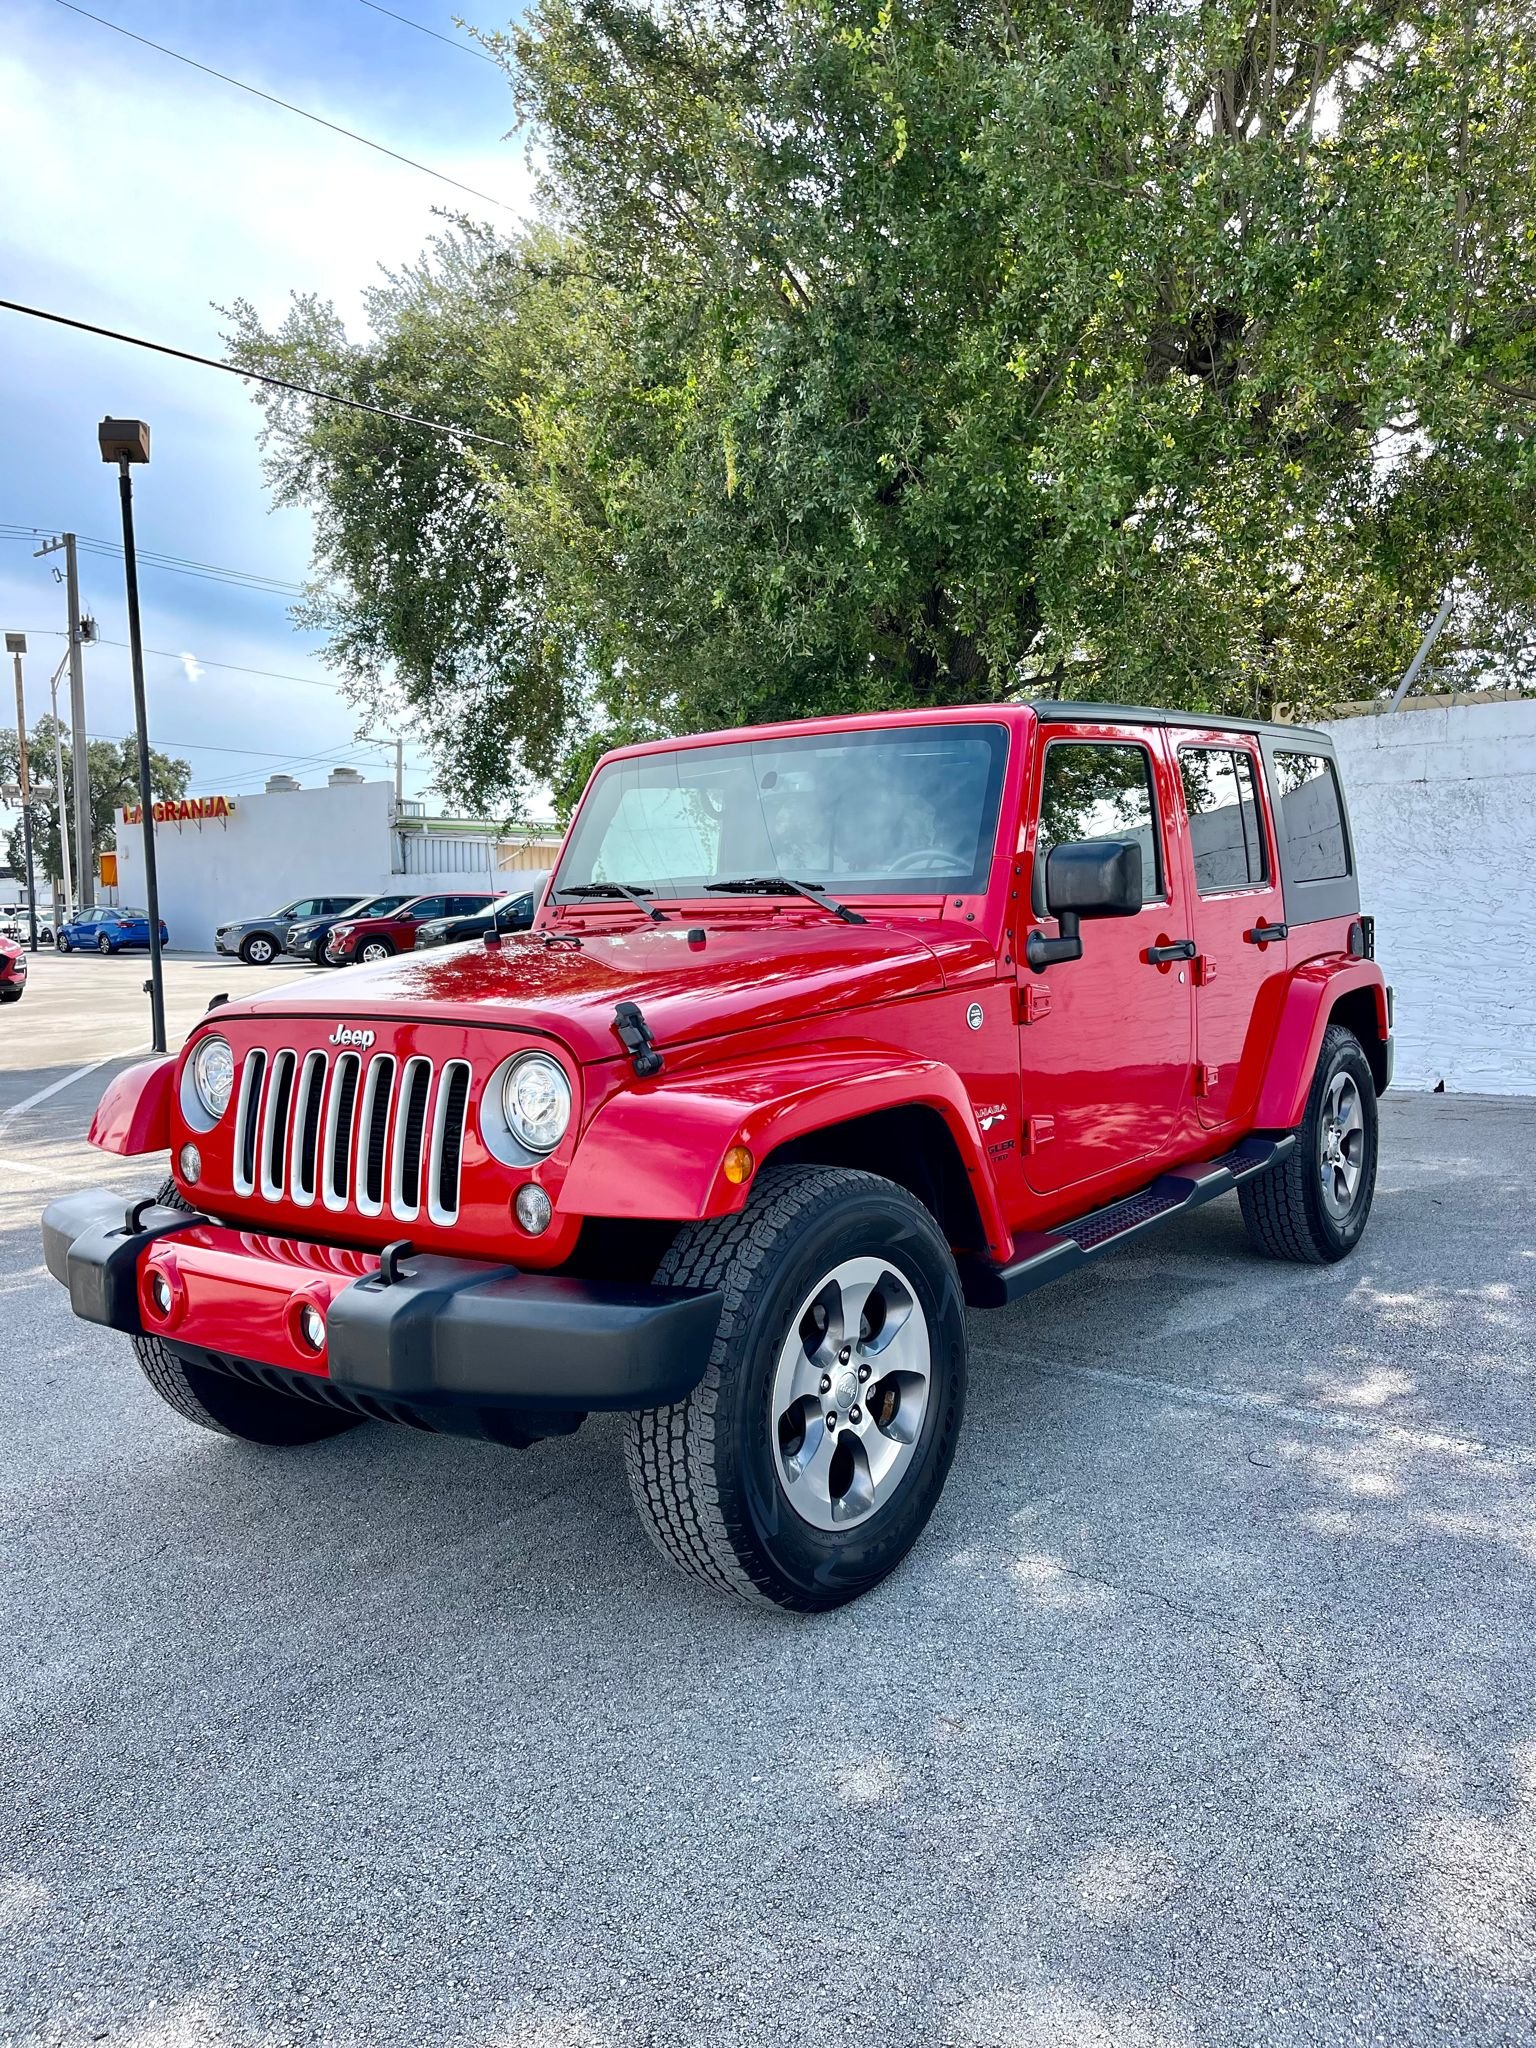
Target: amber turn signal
[{"x": 738, "y": 1165}]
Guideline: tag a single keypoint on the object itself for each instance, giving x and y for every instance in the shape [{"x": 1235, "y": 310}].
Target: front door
[
  {"x": 1105, "y": 1042},
  {"x": 1234, "y": 893}
]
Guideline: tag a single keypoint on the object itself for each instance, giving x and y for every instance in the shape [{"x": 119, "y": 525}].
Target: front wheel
[
  {"x": 258, "y": 951},
  {"x": 375, "y": 951},
  {"x": 61, "y": 943},
  {"x": 1312, "y": 1205},
  {"x": 105, "y": 945},
  {"x": 807, "y": 1462}
]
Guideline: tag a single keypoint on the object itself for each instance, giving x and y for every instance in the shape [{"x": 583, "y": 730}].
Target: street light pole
[
  {"x": 16, "y": 647},
  {"x": 126, "y": 442},
  {"x": 80, "y": 631}
]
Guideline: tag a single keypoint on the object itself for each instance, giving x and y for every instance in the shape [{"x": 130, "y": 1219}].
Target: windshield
[{"x": 901, "y": 811}]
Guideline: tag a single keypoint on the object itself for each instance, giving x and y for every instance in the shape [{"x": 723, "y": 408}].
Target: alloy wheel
[
  {"x": 1342, "y": 1145},
  {"x": 850, "y": 1392}
]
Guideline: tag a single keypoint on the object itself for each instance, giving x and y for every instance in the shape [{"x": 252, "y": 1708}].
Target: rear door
[
  {"x": 1234, "y": 893},
  {"x": 1105, "y": 1041}
]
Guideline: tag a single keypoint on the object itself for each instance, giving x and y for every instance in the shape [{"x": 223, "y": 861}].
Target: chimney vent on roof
[
  {"x": 278, "y": 783},
  {"x": 339, "y": 777}
]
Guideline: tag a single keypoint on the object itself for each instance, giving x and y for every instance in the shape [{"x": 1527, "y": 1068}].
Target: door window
[
  {"x": 1312, "y": 818},
  {"x": 1099, "y": 790},
  {"x": 1225, "y": 835},
  {"x": 429, "y": 906},
  {"x": 467, "y": 906}
]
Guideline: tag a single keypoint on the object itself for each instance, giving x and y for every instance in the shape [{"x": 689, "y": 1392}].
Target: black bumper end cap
[{"x": 89, "y": 1248}]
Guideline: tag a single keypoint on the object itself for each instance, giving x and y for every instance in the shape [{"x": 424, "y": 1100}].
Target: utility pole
[
  {"x": 79, "y": 756},
  {"x": 58, "y": 786},
  {"x": 399, "y": 773},
  {"x": 16, "y": 647}
]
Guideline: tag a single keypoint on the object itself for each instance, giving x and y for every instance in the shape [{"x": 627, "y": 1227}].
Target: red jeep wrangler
[{"x": 823, "y": 1032}]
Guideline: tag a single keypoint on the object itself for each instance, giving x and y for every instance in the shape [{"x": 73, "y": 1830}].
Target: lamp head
[
  {"x": 124, "y": 440},
  {"x": 15, "y": 643}
]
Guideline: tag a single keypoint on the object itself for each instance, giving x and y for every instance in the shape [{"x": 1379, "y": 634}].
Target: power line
[
  {"x": 247, "y": 579},
  {"x": 382, "y": 412},
  {"x": 169, "y": 654},
  {"x": 273, "y": 100},
  {"x": 421, "y": 29}
]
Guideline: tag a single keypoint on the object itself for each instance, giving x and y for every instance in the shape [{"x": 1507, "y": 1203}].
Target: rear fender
[
  {"x": 1314, "y": 990},
  {"x": 134, "y": 1115},
  {"x": 658, "y": 1151}
]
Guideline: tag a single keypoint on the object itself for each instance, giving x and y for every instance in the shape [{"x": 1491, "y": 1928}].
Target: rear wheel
[
  {"x": 105, "y": 945},
  {"x": 218, "y": 1401},
  {"x": 1312, "y": 1206},
  {"x": 805, "y": 1465},
  {"x": 258, "y": 950}
]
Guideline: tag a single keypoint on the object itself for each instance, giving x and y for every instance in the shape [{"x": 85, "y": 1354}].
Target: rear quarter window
[{"x": 1311, "y": 817}]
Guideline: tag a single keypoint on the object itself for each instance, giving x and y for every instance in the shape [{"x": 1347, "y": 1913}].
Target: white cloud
[{"x": 191, "y": 667}]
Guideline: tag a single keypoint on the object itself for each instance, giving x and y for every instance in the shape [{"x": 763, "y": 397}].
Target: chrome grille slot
[
  {"x": 338, "y": 1130},
  {"x": 447, "y": 1153},
  {"x": 248, "y": 1121},
  {"x": 274, "y": 1126},
  {"x": 373, "y": 1133},
  {"x": 410, "y": 1135},
  {"x": 304, "y": 1163}
]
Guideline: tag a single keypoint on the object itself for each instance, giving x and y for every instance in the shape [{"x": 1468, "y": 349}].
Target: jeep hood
[{"x": 730, "y": 980}]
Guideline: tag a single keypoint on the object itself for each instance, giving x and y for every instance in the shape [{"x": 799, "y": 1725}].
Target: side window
[
  {"x": 1311, "y": 817},
  {"x": 1226, "y": 837},
  {"x": 1099, "y": 790},
  {"x": 466, "y": 906},
  {"x": 429, "y": 906}
]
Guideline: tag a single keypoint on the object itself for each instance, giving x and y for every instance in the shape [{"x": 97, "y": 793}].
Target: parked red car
[
  {"x": 13, "y": 971},
  {"x": 823, "y": 1032},
  {"x": 372, "y": 939}
]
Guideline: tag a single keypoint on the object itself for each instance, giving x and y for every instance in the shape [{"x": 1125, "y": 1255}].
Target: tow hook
[{"x": 389, "y": 1261}]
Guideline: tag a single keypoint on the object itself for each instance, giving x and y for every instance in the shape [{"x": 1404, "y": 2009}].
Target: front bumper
[{"x": 445, "y": 1340}]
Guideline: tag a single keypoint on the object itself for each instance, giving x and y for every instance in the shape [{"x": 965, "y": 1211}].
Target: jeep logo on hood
[{"x": 345, "y": 1034}]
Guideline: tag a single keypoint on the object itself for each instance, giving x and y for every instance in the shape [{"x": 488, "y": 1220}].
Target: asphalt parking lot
[{"x": 1204, "y": 1714}]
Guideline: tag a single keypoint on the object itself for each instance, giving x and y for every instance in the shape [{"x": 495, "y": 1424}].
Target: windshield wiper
[
  {"x": 635, "y": 896},
  {"x": 781, "y": 885}
]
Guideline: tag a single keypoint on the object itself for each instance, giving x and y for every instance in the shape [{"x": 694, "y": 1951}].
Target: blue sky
[{"x": 136, "y": 193}]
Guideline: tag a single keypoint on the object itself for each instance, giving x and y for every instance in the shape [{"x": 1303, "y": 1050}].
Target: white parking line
[{"x": 68, "y": 1081}]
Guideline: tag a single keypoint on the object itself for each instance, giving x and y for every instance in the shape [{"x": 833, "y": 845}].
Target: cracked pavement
[{"x": 1202, "y": 1715}]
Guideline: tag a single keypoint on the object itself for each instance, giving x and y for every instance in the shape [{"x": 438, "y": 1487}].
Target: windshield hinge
[{"x": 634, "y": 1034}]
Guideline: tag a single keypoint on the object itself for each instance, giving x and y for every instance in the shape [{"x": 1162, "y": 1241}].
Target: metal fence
[{"x": 441, "y": 853}]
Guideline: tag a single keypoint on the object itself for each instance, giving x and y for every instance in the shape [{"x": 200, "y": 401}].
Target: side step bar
[{"x": 1040, "y": 1256}]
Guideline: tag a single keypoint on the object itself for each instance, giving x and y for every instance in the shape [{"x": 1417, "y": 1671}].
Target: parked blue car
[{"x": 109, "y": 931}]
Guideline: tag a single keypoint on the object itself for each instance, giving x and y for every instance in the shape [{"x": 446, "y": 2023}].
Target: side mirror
[{"x": 1085, "y": 878}]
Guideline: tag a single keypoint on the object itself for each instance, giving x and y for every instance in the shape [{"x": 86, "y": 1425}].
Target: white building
[
  {"x": 1442, "y": 801},
  {"x": 219, "y": 858}
]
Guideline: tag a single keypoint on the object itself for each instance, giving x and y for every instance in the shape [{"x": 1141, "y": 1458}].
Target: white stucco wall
[{"x": 1443, "y": 805}]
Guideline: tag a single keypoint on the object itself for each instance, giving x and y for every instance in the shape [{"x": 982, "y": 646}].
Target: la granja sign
[{"x": 182, "y": 810}]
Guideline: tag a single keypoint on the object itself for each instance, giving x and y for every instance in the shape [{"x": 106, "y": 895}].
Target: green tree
[
  {"x": 112, "y": 768},
  {"x": 881, "y": 354}
]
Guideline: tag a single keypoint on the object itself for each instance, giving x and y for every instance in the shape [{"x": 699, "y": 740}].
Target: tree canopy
[
  {"x": 872, "y": 355},
  {"x": 112, "y": 768}
]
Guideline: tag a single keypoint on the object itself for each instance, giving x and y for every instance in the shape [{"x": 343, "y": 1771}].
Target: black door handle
[
  {"x": 1181, "y": 949},
  {"x": 1266, "y": 934}
]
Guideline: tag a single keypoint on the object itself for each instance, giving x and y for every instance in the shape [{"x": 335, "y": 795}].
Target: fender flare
[
  {"x": 1314, "y": 988},
  {"x": 658, "y": 1151},
  {"x": 134, "y": 1115}
]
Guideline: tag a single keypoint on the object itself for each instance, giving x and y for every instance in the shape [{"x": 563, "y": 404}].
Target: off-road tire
[
  {"x": 702, "y": 1470},
  {"x": 372, "y": 951},
  {"x": 229, "y": 1406},
  {"x": 258, "y": 950},
  {"x": 1283, "y": 1207}
]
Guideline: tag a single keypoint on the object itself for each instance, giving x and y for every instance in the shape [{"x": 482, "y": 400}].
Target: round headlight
[
  {"x": 537, "y": 1099},
  {"x": 213, "y": 1075}
]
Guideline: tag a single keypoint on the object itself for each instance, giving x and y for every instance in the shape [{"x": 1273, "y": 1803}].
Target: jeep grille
[{"x": 370, "y": 1135}]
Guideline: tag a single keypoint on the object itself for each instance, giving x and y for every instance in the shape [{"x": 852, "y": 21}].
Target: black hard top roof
[{"x": 1155, "y": 714}]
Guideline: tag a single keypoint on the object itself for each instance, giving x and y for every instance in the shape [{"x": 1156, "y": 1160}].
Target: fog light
[
  {"x": 532, "y": 1209},
  {"x": 160, "y": 1293},
  {"x": 312, "y": 1326},
  {"x": 738, "y": 1165},
  {"x": 190, "y": 1160}
]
